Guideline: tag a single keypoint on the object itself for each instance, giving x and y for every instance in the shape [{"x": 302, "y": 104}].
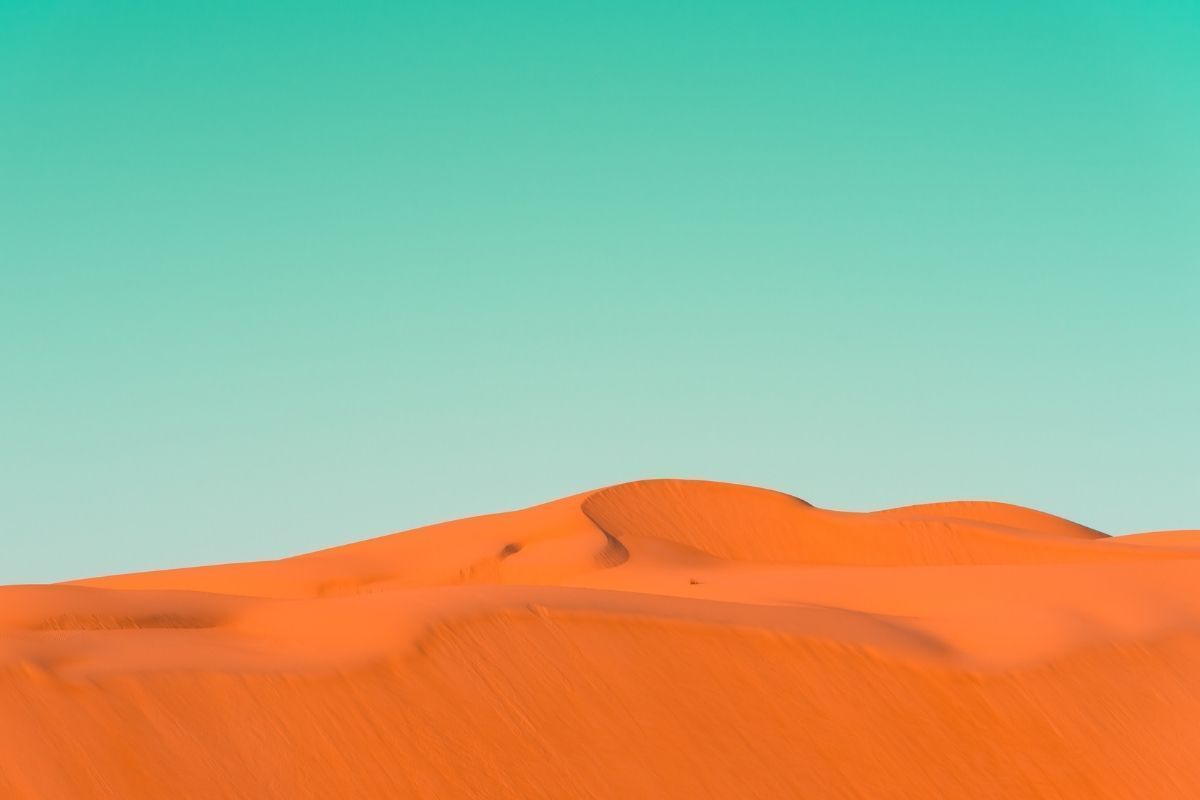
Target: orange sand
[{"x": 661, "y": 639}]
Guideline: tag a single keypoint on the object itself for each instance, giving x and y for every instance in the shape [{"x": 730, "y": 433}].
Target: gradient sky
[{"x": 277, "y": 276}]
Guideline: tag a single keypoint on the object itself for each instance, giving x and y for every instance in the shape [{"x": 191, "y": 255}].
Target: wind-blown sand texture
[{"x": 658, "y": 639}]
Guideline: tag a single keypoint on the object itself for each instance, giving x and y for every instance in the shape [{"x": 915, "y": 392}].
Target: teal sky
[{"x": 276, "y": 276}]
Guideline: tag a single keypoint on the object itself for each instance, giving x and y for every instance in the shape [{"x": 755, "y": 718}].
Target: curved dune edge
[{"x": 661, "y": 638}]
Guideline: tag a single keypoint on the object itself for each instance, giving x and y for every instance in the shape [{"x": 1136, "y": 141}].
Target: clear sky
[{"x": 276, "y": 276}]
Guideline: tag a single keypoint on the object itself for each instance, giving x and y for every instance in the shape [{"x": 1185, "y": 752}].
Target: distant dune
[{"x": 657, "y": 639}]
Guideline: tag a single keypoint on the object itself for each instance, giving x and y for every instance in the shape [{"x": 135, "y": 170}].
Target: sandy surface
[{"x": 660, "y": 639}]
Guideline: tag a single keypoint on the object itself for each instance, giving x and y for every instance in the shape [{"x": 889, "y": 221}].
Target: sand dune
[{"x": 656, "y": 639}]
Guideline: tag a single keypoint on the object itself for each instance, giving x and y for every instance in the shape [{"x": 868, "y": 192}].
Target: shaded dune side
[
  {"x": 745, "y": 523},
  {"x": 82, "y": 608},
  {"x": 1000, "y": 515},
  {"x": 554, "y": 706}
]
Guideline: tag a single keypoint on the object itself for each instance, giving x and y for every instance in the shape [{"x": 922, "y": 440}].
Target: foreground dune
[{"x": 657, "y": 639}]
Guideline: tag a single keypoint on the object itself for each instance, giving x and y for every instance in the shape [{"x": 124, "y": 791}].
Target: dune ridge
[{"x": 661, "y": 638}]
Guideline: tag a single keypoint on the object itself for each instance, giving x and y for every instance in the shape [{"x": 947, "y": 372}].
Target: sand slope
[{"x": 652, "y": 639}]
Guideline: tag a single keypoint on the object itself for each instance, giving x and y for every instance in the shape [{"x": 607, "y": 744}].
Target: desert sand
[{"x": 657, "y": 639}]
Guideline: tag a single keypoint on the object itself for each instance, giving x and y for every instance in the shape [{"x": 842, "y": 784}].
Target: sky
[{"x": 279, "y": 276}]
